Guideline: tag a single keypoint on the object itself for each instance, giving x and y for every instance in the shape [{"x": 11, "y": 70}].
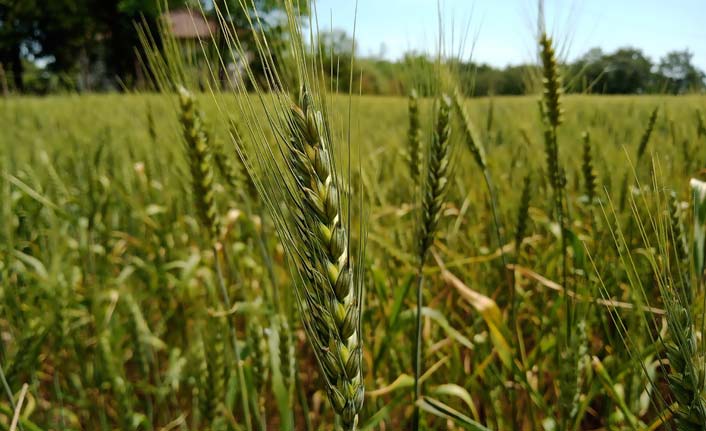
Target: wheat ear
[
  {"x": 646, "y": 134},
  {"x": 414, "y": 137},
  {"x": 589, "y": 173},
  {"x": 523, "y": 213},
  {"x": 330, "y": 291},
  {"x": 196, "y": 140},
  {"x": 700, "y": 124},
  {"x": 469, "y": 133}
]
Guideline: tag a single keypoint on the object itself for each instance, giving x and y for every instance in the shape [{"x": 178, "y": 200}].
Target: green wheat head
[
  {"x": 700, "y": 124},
  {"x": 551, "y": 111},
  {"x": 308, "y": 196},
  {"x": 470, "y": 136},
  {"x": 330, "y": 287},
  {"x": 646, "y": 134},
  {"x": 414, "y": 137},
  {"x": 589, "y": 173},
  {"x": 197, "y": 148},
  {"x": 551, "y": 80},
  {"x": 523, "y": 212},
  {"x": 437, "y": 177}
]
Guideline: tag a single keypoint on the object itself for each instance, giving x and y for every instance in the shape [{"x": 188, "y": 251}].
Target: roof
[{"x": 186, "y": 24}]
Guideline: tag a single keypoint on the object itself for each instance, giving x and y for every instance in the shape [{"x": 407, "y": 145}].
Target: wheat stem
[{"x": 433, "y": 197}]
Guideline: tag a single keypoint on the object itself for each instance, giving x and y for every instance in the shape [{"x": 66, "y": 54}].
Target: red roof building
[{"x": 187, "y": 24}]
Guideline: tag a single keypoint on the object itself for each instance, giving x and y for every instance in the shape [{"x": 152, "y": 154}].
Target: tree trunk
[
  {"x": 3, "y": 81},
  {"x": 17, "y": 68}
]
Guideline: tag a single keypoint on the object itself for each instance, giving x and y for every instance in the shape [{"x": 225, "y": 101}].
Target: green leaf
[
  {"x": 451, "y": 389},
  {"x": 436, "y": 407},
  {"x": 443, "y": 323}
]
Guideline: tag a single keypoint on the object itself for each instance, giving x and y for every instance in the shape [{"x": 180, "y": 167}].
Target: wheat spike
[
  {"x": 196, "y": 140},
  {"x": 330, "y": 292},
  {"x": 414, "y": 136},
  {"x": 287, "y": 361},
  {"x": 700, "y": 124},
  {"x": 523, "y": 212},
  {"x": 645, "y": 138},
  {"x": 470, "y": 135},
  {"x": 228, "y": 171},
  {"x": 589, "y": 174},
  {"x": 437, "y": 178}
]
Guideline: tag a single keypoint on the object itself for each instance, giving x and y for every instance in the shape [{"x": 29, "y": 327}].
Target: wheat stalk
[
  {"x": 551, "y": 113},
  {"x": 438, "y": 167},
  {"x": 202, "y": 174}
]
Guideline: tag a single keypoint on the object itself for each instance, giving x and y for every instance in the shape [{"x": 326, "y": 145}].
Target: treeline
[{"x": 625, "y": 71}]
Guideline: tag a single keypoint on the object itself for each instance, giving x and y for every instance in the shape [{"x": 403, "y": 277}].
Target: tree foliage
[{"x": 92, "y": 44}]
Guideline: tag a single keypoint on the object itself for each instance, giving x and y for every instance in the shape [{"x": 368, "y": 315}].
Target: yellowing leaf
[
  {"x": 403, "y": 381},
  {"x": 490, "y": 312}
]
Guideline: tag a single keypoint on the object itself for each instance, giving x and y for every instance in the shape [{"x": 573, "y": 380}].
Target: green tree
[
  {"x": 18, "y": 22},
  {"x": 587, "y": 72},
  {"x": 627, "y": 71},
  {"x": 677, "y": 74}
]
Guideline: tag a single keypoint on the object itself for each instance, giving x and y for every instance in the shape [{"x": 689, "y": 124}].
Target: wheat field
[{"x": 111, "y": 310}]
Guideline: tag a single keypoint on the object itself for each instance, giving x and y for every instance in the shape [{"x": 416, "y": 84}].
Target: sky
[{"x": 501, "y": 31}]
